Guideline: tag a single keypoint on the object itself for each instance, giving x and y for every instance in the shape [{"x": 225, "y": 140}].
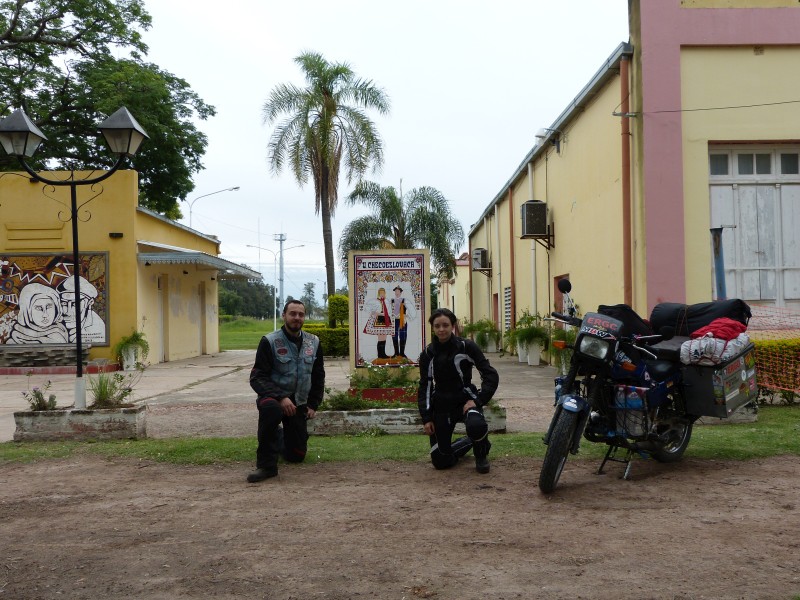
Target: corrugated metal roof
[{"x": 164, "y": 254}]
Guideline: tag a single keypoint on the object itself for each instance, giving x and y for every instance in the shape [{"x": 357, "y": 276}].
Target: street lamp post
[
  {"x": 191, "y": 202},
  {"x": 275, "y": 256},
  {"x": 20, "y": 138}
]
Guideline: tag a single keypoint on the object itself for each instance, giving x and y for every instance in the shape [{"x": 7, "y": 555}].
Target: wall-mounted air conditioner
[
  {"x": 534, "y": 219},
  {"x": 480, "y": 259},
  {"x": 535, "y": 225}
]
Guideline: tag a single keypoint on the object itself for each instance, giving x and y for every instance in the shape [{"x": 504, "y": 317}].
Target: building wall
[
  {"x": 180, "y": 322},
  {"x": 733, "y": 76},
  {"x": 188, "y": 301},
  {"x": 663, "y": 31},
  {"x": 26, "y": 206}
]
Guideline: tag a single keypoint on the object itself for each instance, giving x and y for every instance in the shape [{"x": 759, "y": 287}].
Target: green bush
[
  {"x": 335, "y": 342},
  {"x": 338, "y": 309}
]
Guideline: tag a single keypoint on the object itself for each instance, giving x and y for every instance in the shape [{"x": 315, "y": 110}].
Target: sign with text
[{"x": 389, "y": 306}]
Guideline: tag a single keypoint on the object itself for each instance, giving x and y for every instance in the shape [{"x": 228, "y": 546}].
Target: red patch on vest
[
  {"x": 309, "y": 351},
  {"x": 282, "y": 351}
]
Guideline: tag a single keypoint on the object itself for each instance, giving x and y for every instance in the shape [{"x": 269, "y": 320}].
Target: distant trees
[
  {"x": 247, "y": 298},
  {"x": 57, "y": 63}
]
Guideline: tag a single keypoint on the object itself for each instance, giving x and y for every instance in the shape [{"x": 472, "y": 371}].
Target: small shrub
[
  {"x": 111, "y": 390},
  {"x": 347, "y": 400},
  {"x": 37, "y": 397},
  {"x": 385, "y": 376}
]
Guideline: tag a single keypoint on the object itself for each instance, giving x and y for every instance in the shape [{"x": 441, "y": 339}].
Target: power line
[{"x": 680, "y": 110}]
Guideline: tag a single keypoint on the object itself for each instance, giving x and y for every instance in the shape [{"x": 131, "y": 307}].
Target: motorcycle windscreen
[{"x": 601, "y": 326}]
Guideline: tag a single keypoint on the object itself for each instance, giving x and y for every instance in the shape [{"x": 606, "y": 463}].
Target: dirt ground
[{"x": 94, "y": 528}]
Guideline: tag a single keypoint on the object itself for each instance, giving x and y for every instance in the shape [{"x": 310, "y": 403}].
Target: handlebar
[{"x": 574, "y": 321}]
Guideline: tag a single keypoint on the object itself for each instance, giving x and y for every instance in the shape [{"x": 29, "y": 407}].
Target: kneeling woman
[{"x": 447, "y": 395}]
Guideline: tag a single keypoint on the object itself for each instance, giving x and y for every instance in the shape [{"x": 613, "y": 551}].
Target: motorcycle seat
[{"x": 669, "y": 350}]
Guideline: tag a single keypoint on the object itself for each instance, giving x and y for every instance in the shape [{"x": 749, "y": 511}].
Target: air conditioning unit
[
  {"x": 534, "y": 219},
  {"x": 480, "y": 259}
]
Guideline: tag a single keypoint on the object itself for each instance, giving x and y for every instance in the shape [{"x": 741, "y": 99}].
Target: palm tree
[
  {"x": 326, "y": 126},
  {"x": 420, "y": 218}
]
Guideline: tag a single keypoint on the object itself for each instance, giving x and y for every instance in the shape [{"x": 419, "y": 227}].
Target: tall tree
[
  {"x": 309, "y": 298},
  {"x": 326, "y": 127},
  {"x": 56, "y": 64},
  {"x": 420, "y": 218}
]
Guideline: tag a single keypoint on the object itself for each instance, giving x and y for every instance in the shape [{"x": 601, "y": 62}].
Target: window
[
  {"x": 790, "y": 164},
  {"x": 718, "y": 164},
  {"x": 754, "y": 164}
]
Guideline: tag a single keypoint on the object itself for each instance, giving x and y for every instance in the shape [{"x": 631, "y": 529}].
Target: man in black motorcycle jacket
[{"x": 447, "y": 396}]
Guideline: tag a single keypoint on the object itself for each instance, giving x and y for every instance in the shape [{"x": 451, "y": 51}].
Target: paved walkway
[{"x": 210, "y": 395}]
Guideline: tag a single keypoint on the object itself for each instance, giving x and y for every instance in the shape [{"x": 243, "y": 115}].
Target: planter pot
[
  {"x": 83, "y": 424},
  {"x": 386, "y": 394},
  {"x": 534, "y": 355},
  {"x": 390, "y": 420},
  {"x": 522, "y": 352},
  {"x": 130, "y": 356}
]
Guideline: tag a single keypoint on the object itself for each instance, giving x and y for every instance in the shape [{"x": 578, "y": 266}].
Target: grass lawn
[
  {"x": 776, "y": 433},
  {"x": 244, "y": 333}
]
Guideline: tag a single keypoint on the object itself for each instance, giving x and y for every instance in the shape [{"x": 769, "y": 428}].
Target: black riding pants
[
  {"x": 445, "y": 452},
  {"x": 291, "y": 440}
]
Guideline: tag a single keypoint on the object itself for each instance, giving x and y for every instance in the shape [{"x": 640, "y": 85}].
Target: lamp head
[
  {"x": 123, "y": 133},
  {"x": 19, "y": 136}
]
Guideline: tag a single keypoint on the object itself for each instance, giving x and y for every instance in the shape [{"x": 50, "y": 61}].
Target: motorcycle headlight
[{"x": 594, "y": 347}]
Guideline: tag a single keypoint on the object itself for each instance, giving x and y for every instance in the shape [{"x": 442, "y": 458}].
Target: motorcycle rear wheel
[
  {"x": 557, "y": 451},
  {"x": 673, "y": 451}
]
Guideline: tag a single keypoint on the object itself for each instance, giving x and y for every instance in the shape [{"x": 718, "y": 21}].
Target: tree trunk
[{"x": 327, "y": 239}]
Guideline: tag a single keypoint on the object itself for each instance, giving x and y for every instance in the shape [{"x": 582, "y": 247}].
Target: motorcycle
[{"x": 617, "y": 391}]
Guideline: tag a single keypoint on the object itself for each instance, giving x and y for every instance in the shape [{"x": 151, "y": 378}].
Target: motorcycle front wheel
[
  {"x": 557, "y": 451},
  {"x": 673, "y": 450}
]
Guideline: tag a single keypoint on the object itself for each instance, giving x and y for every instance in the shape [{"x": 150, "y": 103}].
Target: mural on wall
[
  {"x": 389, "y": 308},
  {"x": 37, "y": 299}
]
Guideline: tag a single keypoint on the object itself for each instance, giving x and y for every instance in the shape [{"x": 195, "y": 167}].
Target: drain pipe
[
  {"x": 627, "y": 250},
  {"x": 511, "y": 263},
  {"x": 534, "y": 304}
]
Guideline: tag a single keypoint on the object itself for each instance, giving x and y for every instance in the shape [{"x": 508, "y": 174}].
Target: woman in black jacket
[{"x": 447, "y": 395}]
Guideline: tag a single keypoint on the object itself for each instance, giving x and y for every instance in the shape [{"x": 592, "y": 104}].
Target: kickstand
[{"x": 611, "y": 455}]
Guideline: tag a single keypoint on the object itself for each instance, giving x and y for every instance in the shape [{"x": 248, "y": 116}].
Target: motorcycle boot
[
  {"x": 461, "y": 446},
  {"x": 261, "y": 474}
]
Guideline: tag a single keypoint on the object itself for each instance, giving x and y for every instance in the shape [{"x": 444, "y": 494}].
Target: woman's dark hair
[{"x": 443, "y": 312}]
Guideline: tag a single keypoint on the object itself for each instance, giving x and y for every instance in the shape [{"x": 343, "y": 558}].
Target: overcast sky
[{"x": 469, "y": 82}]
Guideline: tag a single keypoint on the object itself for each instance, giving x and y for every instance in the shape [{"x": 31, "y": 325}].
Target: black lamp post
[{"x": 20, "y": 137}]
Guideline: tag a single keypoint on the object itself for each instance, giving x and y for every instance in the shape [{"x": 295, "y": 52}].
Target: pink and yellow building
[{"x": 689, "y": 126}]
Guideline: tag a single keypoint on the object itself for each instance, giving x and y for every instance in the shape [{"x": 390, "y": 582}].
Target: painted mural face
[
  {"x": 68, "y": 309},
  {"x": 43, "y": 312}
]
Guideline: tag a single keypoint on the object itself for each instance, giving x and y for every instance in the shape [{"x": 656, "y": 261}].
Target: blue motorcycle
[{"x": 617, "y": 392}]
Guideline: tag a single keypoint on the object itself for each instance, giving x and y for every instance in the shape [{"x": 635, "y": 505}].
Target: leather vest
[{"x": 291, "y": 368}]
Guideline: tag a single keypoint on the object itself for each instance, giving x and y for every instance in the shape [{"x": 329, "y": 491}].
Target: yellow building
[
  {"x": 688, "y": 127},
  {"x": 139, "y": 270}
]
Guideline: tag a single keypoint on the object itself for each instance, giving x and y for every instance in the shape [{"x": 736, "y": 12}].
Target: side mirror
[{"x": 564, "y": 286}]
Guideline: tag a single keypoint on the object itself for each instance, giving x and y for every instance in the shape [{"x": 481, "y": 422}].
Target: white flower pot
[
  {"x": 534, "y": 354},
  {"x": 522, "y": 352}
]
